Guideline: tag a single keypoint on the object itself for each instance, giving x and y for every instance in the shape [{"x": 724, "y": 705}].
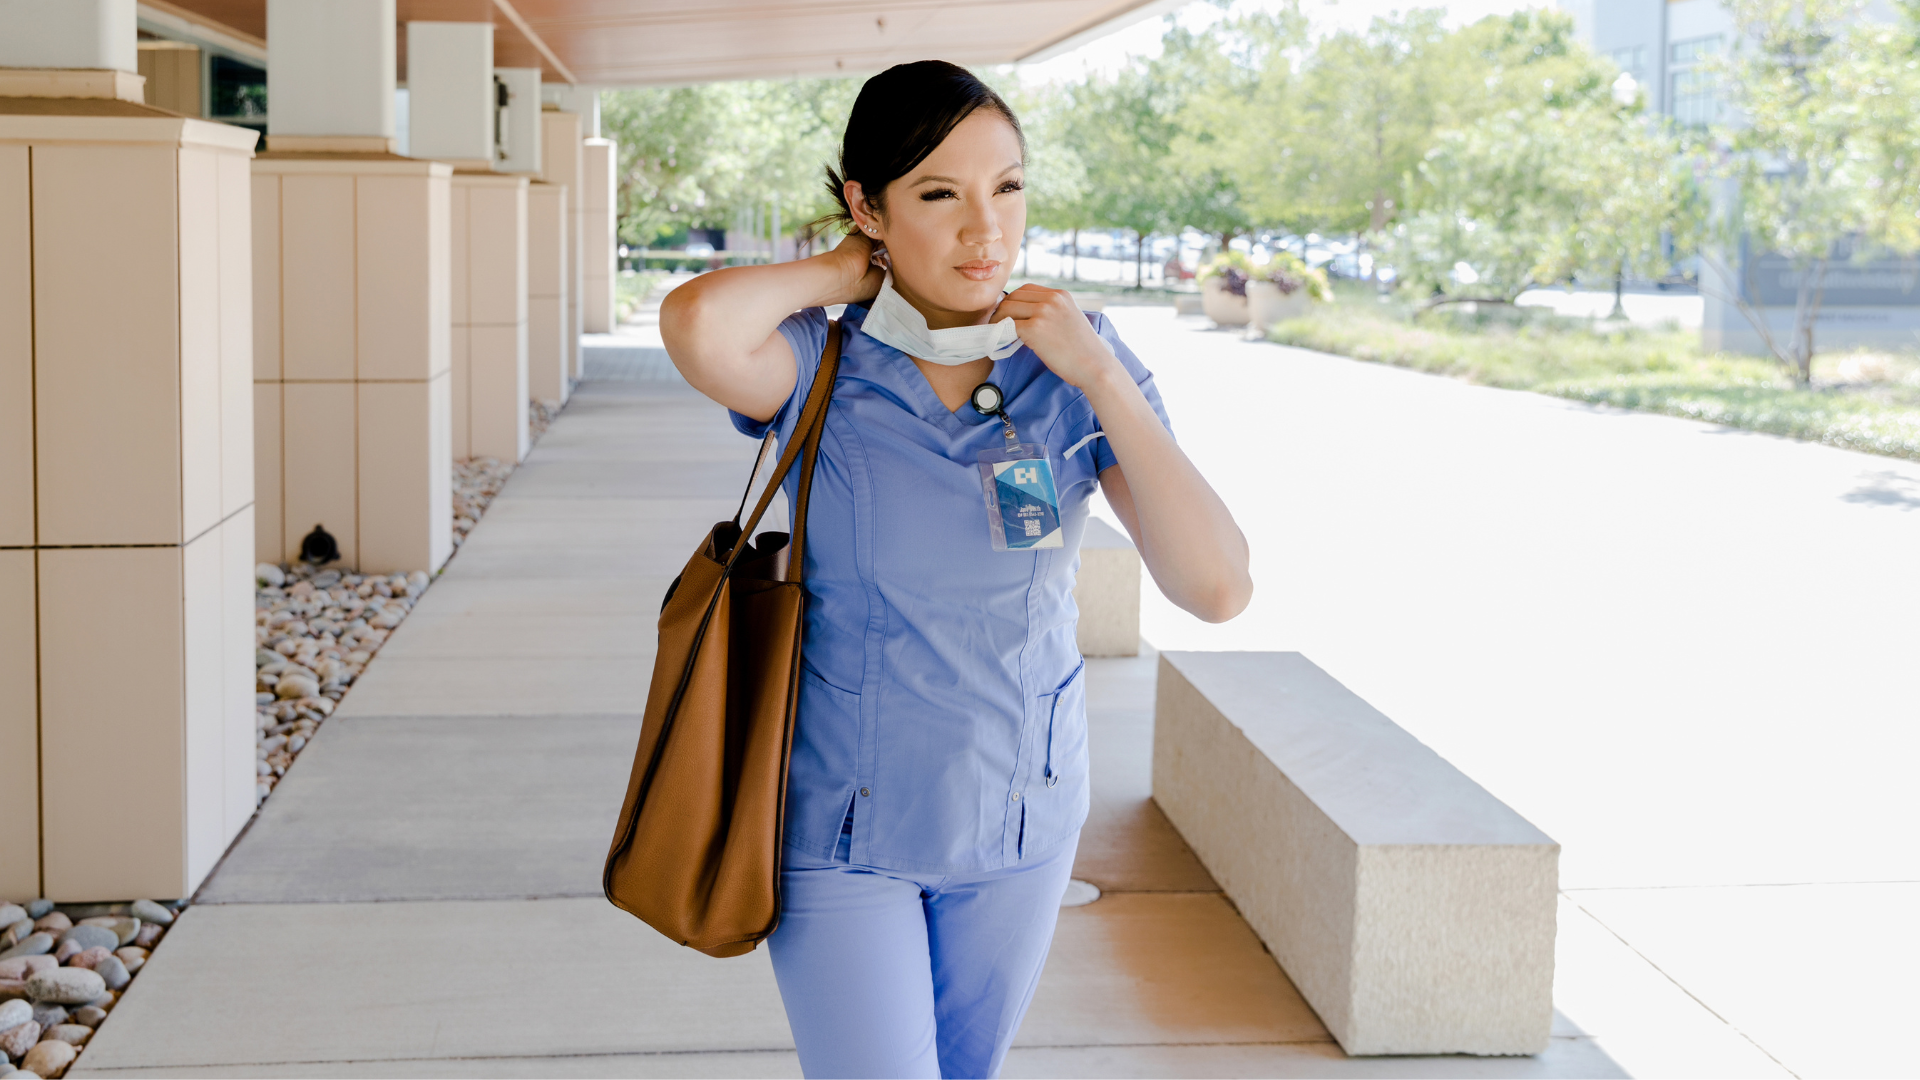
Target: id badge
[{"x": 1023, "y": 510}]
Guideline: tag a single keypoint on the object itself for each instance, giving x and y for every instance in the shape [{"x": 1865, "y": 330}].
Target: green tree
[
  {"x": 1540, "y": 195},
  {"x": 1808, "y": 158},
  {"x": 694, "y": 156}
]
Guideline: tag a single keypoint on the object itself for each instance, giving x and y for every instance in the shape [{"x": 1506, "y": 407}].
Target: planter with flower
[
  {"x": 1284, "y": 289},
  {"x": 1223, "y": 288}
]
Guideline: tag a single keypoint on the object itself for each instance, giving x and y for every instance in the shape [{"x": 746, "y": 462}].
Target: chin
[{"x": 966, "y": 294}]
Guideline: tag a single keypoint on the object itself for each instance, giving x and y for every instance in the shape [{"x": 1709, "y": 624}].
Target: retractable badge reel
[{"x": 1023, "y": 510}]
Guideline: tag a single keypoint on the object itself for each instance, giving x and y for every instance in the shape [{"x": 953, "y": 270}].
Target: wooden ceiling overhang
[{"x": 678, "y": 42}]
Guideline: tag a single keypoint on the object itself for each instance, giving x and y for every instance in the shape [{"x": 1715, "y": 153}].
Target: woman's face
[{"x": 953, "y": 223}]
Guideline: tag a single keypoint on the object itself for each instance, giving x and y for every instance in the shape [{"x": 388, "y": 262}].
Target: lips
[{"x": 979, "y": 269}]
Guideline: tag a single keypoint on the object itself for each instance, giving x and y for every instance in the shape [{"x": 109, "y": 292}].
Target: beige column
[
  {"x": 352, "y": 356},
  {"x": 489, "y": 316},
  {"x": 126, "y": 486},
  {"x": 561, "y": 163},
  {"x": 352, "y": 291},
  {"x": 599, "y": 226},
  {"x": 547, "y": 259}
]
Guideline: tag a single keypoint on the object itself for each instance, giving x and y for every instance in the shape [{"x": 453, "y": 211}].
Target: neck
[{"x": 939, "y": 318}]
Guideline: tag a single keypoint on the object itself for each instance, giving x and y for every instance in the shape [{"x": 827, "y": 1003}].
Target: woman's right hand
[{"x": 854, "y": 258}]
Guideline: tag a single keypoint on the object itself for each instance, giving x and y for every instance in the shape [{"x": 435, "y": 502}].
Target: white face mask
[{"x": 895, "y": 322}]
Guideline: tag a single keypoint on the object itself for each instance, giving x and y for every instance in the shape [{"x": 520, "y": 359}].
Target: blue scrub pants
[{"x": 889, "y": 974}]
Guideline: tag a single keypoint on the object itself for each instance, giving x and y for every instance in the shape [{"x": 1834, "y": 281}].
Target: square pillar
[
  {"x": 450, "y": 94},
  {"x": 330, "y": 67},
  {"x": 520, "y": 121},
  {"x": 352, "y": 356},
  {"x": 489, "y": 383},
  {"x": 562, "y": 163},
  {"x": 126, "y": 491},
  {"x": 599, "y": 226},
  {"x": 548, "y": 377}
]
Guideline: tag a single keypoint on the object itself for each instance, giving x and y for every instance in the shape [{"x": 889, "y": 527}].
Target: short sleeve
[
  {"x": 806, "y": 334},
  {"x": 1103, "y": 458}
]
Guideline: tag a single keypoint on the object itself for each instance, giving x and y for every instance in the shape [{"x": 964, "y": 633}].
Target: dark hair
[{"x": 901, "y": 115}]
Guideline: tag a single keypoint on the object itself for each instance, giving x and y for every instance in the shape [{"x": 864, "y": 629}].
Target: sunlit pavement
[
  {"x": 1675, "y": 649},
  {"x": 1687, "y": 653}
]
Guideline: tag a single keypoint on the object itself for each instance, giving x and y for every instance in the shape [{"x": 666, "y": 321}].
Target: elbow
[
  {"x": 1226, "y": 599},
  {"x": 680, "y": 312}
]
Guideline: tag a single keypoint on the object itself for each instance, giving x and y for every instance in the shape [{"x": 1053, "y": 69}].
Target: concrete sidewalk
[{"x": 420, "y": 896}]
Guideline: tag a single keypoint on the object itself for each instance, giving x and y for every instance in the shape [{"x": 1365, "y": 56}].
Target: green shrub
[{"x": 1660, "y": 371}]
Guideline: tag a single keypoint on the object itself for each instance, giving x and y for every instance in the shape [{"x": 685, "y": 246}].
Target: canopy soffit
[{"x": 675, "y": 42}]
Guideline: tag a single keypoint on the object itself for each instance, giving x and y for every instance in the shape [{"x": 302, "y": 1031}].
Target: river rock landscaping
[{"x": 63, "y": 968}]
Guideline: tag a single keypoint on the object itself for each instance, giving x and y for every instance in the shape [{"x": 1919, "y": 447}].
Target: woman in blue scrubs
[{"x": 939, "y": 772}]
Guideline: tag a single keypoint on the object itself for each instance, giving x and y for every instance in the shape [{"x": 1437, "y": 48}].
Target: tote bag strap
[{"x": 804, "y": 446}]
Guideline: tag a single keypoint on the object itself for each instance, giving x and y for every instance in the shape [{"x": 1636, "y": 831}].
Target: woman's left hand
[{"x": 1053, "y": 326}]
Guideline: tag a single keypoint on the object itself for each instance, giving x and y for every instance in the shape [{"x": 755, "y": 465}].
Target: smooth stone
[
  {"x": 89, "y": 958},
  {"x": 47, "y": 1014},
  {"x": 37, "y": 908},
  {"x": 105, "y": 1001},
  {"x": 89, "y": 936},
  {"x": 129, "y": 953},
  {"x": 18, "y": 1074},
  {"x": 113, "y": 971},
  {"x": 67, "y": 986},
  {"x": 67, "y": 950},
  {"x": 296, "y": 686},
  {"x": 53, "y": 922},
  {"x": 270, "y": 575},
  {"x": 80, "y": 913},
  {"x": 35, "y": 945},
  {"x": 22, "y": 966},
  {"x": 13, "y": 1014},
  {"x": 50, "y": 1058},
  {"x": 11, "y": 913},
  {"x": 149, "y": 912},
  {"x": 148, "y": 934},
  {"x": 19, "y": 1039},
  {"x": 12, "y": 989},
  {"x": 89, "y": 1015},
  {"x": 77, "y": 1034},
  {"x": 17, "y": 932},
  {"x": 123, "y": 927}
]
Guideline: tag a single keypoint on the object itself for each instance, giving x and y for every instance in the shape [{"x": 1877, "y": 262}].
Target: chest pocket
[{"x": 1060, "y": 713}]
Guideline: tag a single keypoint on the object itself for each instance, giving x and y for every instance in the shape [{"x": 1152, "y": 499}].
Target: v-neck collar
[{"x": 914, "y": 382}]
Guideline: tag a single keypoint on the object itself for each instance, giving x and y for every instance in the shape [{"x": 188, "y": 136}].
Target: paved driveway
[{"x": 1690, "y": 654}]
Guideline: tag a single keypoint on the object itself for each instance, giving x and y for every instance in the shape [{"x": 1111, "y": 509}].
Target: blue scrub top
[{"x": 941, "y": 695}]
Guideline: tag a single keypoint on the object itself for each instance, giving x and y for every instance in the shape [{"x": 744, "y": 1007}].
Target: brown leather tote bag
[{"x": 696, "y": 850}]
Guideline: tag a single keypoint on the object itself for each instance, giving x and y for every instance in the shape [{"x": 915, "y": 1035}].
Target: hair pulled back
[{"x": 901, "y": 115}]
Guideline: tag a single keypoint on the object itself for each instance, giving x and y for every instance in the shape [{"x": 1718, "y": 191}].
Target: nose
[{"x": 981, "y": 225}]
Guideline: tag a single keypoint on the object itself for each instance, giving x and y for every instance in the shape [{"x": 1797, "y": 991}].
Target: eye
[
  {"x": 938, "y": 193},
  {"x": 1012, "y": 185}
]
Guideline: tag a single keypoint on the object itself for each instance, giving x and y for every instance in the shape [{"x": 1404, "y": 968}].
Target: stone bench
[
  {"x": 1413, "y": 910},
  {"x": 1108, "y": 592}
]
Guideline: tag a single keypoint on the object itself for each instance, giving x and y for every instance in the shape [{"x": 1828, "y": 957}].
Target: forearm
[
  {"x": 718, "y": 328},
  {"x": 723, "y": 315},
  {"x": 1187, "y": 537}
]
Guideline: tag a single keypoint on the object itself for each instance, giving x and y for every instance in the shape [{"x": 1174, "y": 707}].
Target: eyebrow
[{"x": 950, "y": 180}]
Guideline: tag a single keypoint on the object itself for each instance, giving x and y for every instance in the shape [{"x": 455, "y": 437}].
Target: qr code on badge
[{"x": 1033, "y": 527}]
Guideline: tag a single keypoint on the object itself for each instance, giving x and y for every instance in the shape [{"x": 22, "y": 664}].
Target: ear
[{"x": 865, "y": 218}]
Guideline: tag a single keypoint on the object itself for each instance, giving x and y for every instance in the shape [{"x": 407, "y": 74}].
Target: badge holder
[{"x": 1023, "y": 509}]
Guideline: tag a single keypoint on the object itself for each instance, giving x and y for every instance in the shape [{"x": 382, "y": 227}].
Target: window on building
[
  {"x": 1693, "y": 98},
  {"x": 1632, "y": 60},
  {"x": 1694, "y": 50}
]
